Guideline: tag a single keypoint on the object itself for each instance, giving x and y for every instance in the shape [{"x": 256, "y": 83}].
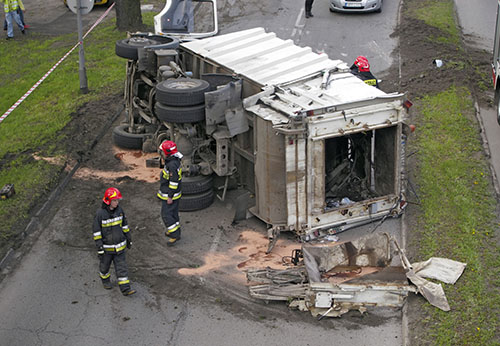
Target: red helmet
[
  {"x": 169, "y": 148},
  {"x": 362, "y": 63},
  {"x": 111, "y": 194}
]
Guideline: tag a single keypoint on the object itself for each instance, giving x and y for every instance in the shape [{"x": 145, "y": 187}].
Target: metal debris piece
[{"x": 7, "y": 191}]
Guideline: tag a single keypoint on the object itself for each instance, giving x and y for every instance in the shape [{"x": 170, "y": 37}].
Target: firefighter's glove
[
  {"x": 100, "y": 252},
  {"x": 129, "y": 244}
]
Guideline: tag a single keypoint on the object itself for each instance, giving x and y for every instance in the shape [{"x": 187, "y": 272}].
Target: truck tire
[
  {"x": 123, "y": 139},
  {"x": 182, "y": 91},
  {"x": 188, "y": 114},
  {"x": 197, "y": 184},
  {"x": 127, "y": 48},
  {"x": 197, "y": 201}
]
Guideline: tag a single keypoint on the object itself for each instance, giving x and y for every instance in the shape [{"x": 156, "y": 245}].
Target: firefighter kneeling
[
  {"x": 112, "y": 236},
  {"x": 170, "y": 191}
]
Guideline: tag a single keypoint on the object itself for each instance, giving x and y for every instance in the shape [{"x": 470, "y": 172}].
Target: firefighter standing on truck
[
  {"x": 361, "y": 69},
  {"x": 112, "y": 236},
  {"x": 170, "y": 191}
]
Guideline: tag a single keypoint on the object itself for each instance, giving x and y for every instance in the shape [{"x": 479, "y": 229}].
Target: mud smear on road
[
  {"x": 135, "y": 165},
  {"x": 249, "y": 252}
]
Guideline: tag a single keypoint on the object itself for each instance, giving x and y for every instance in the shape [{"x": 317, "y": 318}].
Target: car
[
  {"x": 96, "y": 2},
  {"x": 356, "y": 5}
]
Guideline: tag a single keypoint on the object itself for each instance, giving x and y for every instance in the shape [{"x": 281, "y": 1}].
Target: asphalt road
[
  {"x": 341, "y": 36},
  {"x": 55, "y": 298},
  {"x": 478, "y": 25}
]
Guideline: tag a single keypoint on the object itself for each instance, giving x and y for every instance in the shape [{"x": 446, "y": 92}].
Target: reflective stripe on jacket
[
  {"x": 110, "y": 230},
  {"x": 171, "y": 180},
  {"x": 10, "y": 5}
]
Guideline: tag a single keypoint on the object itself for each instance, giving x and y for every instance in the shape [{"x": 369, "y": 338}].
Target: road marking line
[
  {"x": 297, "y": 23},
  {"x": 216, "y": 240}
]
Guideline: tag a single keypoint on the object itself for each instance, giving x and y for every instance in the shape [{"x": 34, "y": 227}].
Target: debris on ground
[{"x": 335, "y": 278}]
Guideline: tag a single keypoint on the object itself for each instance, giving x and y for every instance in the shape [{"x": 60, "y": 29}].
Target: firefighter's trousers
[
  {"x": 170, "y": 216},
  {"x": 121, "y": 269}
]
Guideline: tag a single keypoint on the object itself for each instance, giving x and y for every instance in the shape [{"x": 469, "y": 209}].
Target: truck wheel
[
  {"x": 196, "y": 184},
  {"x": 127, "y": 48},
  {"x": 182, "y": 91},
  {"x": 189, "y": 114},
  {"x": 123, "y": 139},
  {"x": 197, "y": 201}
]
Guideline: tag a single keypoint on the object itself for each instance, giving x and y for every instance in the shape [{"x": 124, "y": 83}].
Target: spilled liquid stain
[{"x": 249, "y": 252}]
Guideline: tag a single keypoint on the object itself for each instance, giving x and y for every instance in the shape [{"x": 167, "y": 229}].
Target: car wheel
[
  {"x": 188, "y": 114},
  {"x": 196, "y": 184},
  {"x": 497, "y": 104},
  {"x": 123, "y": 139},
  {"x": 197, "y": 201},
  {"x": 182, "y": 91},
  {"x": 127, "y": 48}
]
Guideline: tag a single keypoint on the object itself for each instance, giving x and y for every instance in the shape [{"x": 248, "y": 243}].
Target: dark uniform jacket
[
  {"x": 111, "y": 230},
  {"x": 171, "y": 179},
  {"x": 365, "y": 76}
]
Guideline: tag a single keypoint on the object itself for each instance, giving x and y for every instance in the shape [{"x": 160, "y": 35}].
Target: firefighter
[
  {"x": 361, "y": 69},
  {"x": 112, "y": 236},
  {"x": 171, "y": 191}
]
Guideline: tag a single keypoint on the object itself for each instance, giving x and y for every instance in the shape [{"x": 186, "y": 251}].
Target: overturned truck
[{"x": 319, "y": 150}]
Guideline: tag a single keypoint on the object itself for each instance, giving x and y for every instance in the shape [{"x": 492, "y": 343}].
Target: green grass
[
  {"x": 458, "y": 219},
  {"x": 36, "y": 124},
  {"x": 441, "y": 15}
]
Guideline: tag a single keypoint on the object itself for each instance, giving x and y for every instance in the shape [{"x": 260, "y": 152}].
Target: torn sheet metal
[
  {"x": 431, "y": 291},
  {"x": 442, "y": 269},
  {"x": 356, "y": 275}
]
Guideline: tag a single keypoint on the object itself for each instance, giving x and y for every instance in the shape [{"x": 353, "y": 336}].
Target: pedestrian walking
[
  {"x": 171, "y": 191},
  {"x": 10, "y": 8},
  {"x": 20, "y": 11},
  {"x": 361, "y": 69},
  {"x": 112, "y": 236},
  {"x": 309, "y": 4}
]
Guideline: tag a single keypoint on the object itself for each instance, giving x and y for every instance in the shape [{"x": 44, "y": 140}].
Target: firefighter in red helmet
[
  {"x": 112, "y": 236},
  {"x": 170, "y": 191},
  {"x": 361, "y": 69}
]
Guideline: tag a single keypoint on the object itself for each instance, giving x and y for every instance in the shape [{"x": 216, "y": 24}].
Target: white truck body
[{"x": 303, "y": 109}]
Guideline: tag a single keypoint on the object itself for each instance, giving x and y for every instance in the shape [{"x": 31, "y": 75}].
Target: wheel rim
[
  {"x": 182, "y": 85},
  {"x": 140, "y": 41}
]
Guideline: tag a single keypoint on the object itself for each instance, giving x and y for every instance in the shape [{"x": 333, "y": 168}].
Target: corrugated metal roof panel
[{"x": 261, "y": 56}]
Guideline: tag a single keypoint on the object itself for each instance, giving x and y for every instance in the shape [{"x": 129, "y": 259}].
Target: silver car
[{"x": 355, "y": 5}]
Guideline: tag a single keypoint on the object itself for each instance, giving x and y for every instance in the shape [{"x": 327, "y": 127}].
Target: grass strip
[
  {"x": 35, "y": 126},
  {"x": 441, "y": 15},
  {"x": 458, "y": 219}
]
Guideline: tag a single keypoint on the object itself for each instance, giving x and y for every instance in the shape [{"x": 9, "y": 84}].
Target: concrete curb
[
  {"x": 404, "y": 312},
  {"x": 486, "y": 148},
  {"x": 35, "y": 222}
]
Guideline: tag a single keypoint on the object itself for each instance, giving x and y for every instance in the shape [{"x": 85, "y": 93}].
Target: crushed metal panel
[
  {"x": 262, "y": 57},
  {"x": 442, "y": 269},
  {"x": 355, "y": 120}
]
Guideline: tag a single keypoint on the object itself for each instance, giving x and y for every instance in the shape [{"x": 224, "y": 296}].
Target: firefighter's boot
[
  {"x": 107, "y": 284},
  {"x": 128, "y": 292},
  {"x": 171, "y": 241}
]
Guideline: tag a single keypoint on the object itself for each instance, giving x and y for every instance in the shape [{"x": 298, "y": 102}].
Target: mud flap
[{"x": 224, "y": 104}]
